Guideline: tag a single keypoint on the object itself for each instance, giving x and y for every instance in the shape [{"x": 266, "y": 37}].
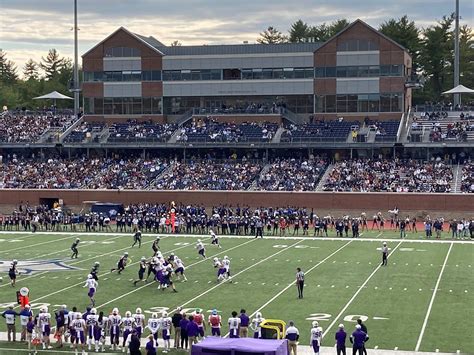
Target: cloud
[{"x": 28, "y": 28}]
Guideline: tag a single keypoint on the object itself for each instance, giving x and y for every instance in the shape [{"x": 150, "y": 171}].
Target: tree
[
  {"x": 51, "y": 64},
  {"x": 466, "y": 56},
  {"x": 436, "y": 57},
  {"x": 30, "y": 70},
  {"x": 405, "y": 33},
  {"x": 299, "y": 31},
  {"x": 7, "y": 69},
  {"x": 175, "y": 43},
  {"x": 337, "y": 26},
  {"x": 319, "y": 33},
  {"x": 271, "y": 36}
]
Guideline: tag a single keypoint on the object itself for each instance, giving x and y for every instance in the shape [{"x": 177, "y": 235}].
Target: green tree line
[{"x": 53, "y": 72}]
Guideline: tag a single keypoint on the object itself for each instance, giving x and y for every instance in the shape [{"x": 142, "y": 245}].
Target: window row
[
  {"x": 386, "y": 102},
  {"x": 243, "y": 104},
  {"x": 361, "y": 71},
  {"x": 357, "y": 45},
  {"x": 136, "y": 75},
  {"x": 186, "y": 75},
  {"x": 123, "y": 105},
  {"x": 122, "y": 52}
]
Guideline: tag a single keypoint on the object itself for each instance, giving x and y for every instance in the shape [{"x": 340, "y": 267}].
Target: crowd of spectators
[
  {"x": 136, "y": 131},
  {"x": 389, "y": 175},
  {"x": 25, "y": 127},
  {"x": 467, "y": 178},
  {"x": 210, "y": 130},
  {"x": 209, "y": 175},
  {"x": 292, "y": 175},
  {"x": 454, "y": 131},
  {"x": 244, "y": 108},
  {"x": 79, "y": 173},
  {"x": 84, "y": 131}
]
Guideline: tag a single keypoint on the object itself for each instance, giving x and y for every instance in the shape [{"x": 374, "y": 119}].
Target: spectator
[
  {"x": 292, "y": 334},
  {"x": 10, "y": 318}
]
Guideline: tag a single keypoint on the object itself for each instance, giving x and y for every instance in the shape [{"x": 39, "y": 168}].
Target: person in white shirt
[
  {"x": 256, "y": 322},
  {"x": 44, "y": 321},
  {"x": 316, "y": 337},
  {"x": 165, "y": 325},
  {"x": 234, "y": 323},
  {"x": 292, "y": 334},
  {"x": 154, "y": 326},
  {"x": 10, "y": 316},
  {"x": 80, "y": 328},
  {"x": 91, "y": 284},
  {"x": 114, "y": 324},
  {"x": 139, "y": 321}
]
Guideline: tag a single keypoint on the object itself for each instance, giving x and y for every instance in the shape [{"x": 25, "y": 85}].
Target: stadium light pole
[
  {"x": 456, "y": 53},
  {"x": 76, "y": 88}
]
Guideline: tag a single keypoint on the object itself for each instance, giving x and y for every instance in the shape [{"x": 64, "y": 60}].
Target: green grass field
[{"x": 422, "y": 301}]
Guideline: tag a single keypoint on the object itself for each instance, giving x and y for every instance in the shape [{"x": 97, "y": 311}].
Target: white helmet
[
  {"x": 126, "y": 253},
  {"x": 258, "y": 315},
  {"x": 45, "y": 309},
  {"x": 164, "y": 314},
  {"x": 78, "y": 239},
  {"x": 115, "y": 311},
  {"x": 97, "y": 263},
  {"x": 384, "y": 243},
  {"x": 216, "y": 258},
  {"x": 15, "y": 261},
  {"x": 138, "y": 311},
  {"x": 315, "y": 324},
  {"x": 172, "y": 254},
  {"x": 63, "y": 306},
  {"x": 226, "y": 257},
  {"x": 128, "y": 314},
  {"x": 157, "y": 238},
  {"x": 155, "y": 260},
  {"x": 143, "y": 258},
  {"x": 93, "y": 311},
  {"x": 154, "y": 315},
  {"x": 199, "y": 240},
  {"x": 78, "y": 316},
  {"x": 89, "y": 276}
]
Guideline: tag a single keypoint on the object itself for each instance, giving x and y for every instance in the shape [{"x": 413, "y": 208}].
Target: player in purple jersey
[
  {"x": 80, "y": 329},
  {"x": 221, "y": 271}
]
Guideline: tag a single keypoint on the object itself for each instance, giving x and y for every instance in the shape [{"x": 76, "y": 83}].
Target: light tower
[
  {"x": 456, "y": 53},
  {"x": 75, "y": 87}
]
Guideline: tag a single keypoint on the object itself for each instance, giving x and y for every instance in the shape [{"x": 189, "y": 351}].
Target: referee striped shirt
[{"x": 300, "y": 276}]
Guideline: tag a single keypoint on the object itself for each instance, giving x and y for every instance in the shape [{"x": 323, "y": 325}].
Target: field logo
[{"x": 28, "y": 267}]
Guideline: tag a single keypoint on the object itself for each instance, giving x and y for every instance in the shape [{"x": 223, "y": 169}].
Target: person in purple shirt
[
  {"x": 341, "y": 340},
  {"x": 244, "y": 324},
  {"x": 183, "y": 324},
  {"x": 193, "y": 331},
  {"x": 358, "y": 339},
  {"x": 150, "y": 346}
]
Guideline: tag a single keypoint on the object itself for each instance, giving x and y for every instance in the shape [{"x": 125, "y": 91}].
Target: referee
[{"x": 299, "y": 282}]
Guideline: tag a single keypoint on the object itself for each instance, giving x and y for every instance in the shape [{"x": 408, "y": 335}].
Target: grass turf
[{"x": 394, "y": 299}]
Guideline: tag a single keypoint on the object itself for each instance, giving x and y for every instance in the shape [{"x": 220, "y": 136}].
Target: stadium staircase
[
  {"x": 277, "y": 137},
  {"x": 324, "y": 178},
  {"x": 292, "y": 117},
  {"x": 457, "y": 177},
  {"x": 253, "y": 185},
  {"x": 159, "y": 176},
  {"x": 185, "y": 117},
  {"x": 174, "y": 136},
  {"x": 70, "y": 129}
]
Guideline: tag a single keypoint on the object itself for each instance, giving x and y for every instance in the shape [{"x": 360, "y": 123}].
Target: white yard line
[
  {"x": 309, "y": 238},
  {"x": 186, "y": 267},
  {"x": 29, "y": 246},
  {"x": 80, "y": 283},
  {"x": 433, "y": 296},
  {"x": 240, "y": 272},
  {"x": 292, "y": 283},
  {"x": 357, "y": 293}
]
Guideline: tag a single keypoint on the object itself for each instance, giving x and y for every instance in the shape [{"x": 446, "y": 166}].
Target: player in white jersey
[
  {"x": 220, "y": 269},
  {"x": 114, "y": 324},
  {"x": 226, "y": 264},
  {"x": 256, "y": 325},
  {"x": 44, "y": 322},
  {"x": 234, "y": 324},
  {"x": 102, "y": 324},
  {"x": 80, "y": 328},
  {"x": 316, "y": 337},
  {"x": 165, "y": 325},
  {"x": 91, "y": 284},
  {"x": 139, "y": 321},
  {"x": 179, "y": 269},
  {"x": 128, "y": 323},
  {"x": 201, "y": 249},
  {"x": 154, "y": 326},
  {"x": 93, "y": 330},
  {"x": 71, "y": 316},
  {"x": 215, "y": 238}
]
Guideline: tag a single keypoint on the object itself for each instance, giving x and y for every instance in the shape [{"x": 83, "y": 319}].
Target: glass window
[
  {"x": 396, "y": 103},
  {"x": 396, "y": 70},
  {"x": 362, "y": 71},
  {"x": 135, "y": 52},
  {"x": 176, "y": 75},
  {"x": 146, "y": 75},
  {"x": 147, "y": 105},
  {"x": 108, "y": 103},
  {"x": 127, "y": 75},
  {"x": 342, "y": 47},
  {"x": 373, "y": 46},
  {"x": 137, "y": 106},
  {"x": 309, "y": 73},
  {"x": 205, "y": 74},
  {"x": 341, "y": 103},
  {"x": 352, "y": 103},
  {"x": 385, "y": 70},
  {"x": 363, "y": 103},
  {"x": 127, "y": 105},
  {"x": 117, "y": 52},
  {"x": 195, "y": 75},
  {"x": 352, "y": 45},
  {"x": 166, "y": 75},
  {"x": 330, "y": 72},
  {"x": 288, "y": 73},
  {"x": 352, "y": 72},
  {"x": 127, "y": 52},
  {"x": 374, "y": 102},
  {"x": 374, "y": 71},
  {"x": 156, "y": 105},
  {"x": 247, "y": 74},
  {"x": 267, "y": 73},
  {"x": 278, "y": 73},
  {"x": 257, "y": 74},
  {"x": 320, "y": 72},
  {"x": 320, "y": 103},
  {"x": 136, "y": 76},
  {"x": 109, "y": 52},
  {"x": 98, "y": 106},
  {"x": 384, "y": 102},
  {"x": 185, "y": 74},
  {"x": 341, "y": 72},
  {"x": 363, "y": 45},
  {"x": 330, "y": 103},
  {"x": 216, "y": 74}
]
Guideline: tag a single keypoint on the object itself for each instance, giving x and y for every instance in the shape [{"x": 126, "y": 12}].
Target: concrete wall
[{"x": 441, "y": 203}]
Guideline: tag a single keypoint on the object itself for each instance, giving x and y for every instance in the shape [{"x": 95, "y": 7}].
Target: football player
[
  {"x": 128, "y": 323},
  {"x": 141, "y": 270},
  {"x": 155, "y": 246},
  {"x": 201, "y": 249},
  {"x": 139, "y": 321},
  {"x": 114, "y": 331},
  {"x": 226, "y": 263},
  {"x": 74, "y": 245},
  {"x": 137, "y": 238},
  {"x": 80, "y": 328},
  {"x": 44, "y": 322},
  {"x": 121, "y": 263},
  {"x": 95, "y": 271},
  {"x": 93, "y": 330},
  {"x": 215, "y": 238},
  {"x": 154, "y": 326},
  {"x": 214, "y": 321},
  {"x": 12, "y": 272},
  {"x": 220, "y": 269},
  {"x": 165, "y": 325},
  {"x": 256, "y": 325},
  {"x": 180, "y": 269},
  {"x": 92, "y": 285},
  {"x": 316, "y": 335},
  {"x": 234, "y": 323}
]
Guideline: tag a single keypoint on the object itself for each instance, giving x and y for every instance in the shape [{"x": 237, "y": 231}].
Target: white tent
[
  {"x": 54, "y": 95},
  {"x": 460, "y": 89}
]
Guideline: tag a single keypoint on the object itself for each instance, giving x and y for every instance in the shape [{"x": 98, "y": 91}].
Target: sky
[{"x": 29, "y": 28}]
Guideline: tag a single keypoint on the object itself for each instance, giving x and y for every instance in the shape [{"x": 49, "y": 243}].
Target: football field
[{"x": 423, "y": 300}]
